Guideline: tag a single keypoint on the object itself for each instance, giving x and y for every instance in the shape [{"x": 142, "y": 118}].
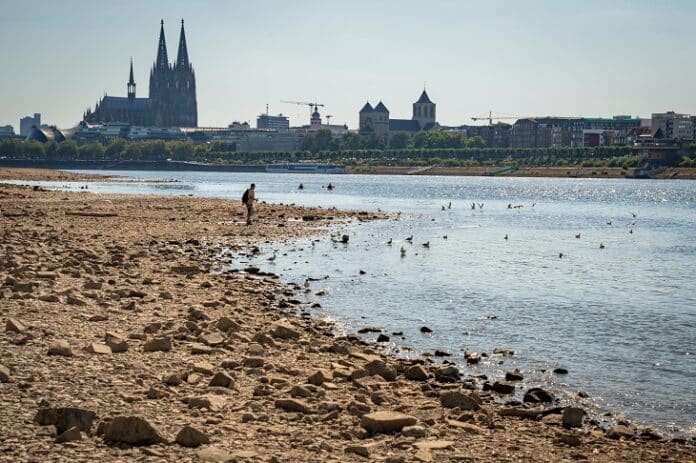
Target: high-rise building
[
  {"x": 266, "y": 121},
  {"x": 28, "y": 122},
  {"x": 172, "y": 98}
]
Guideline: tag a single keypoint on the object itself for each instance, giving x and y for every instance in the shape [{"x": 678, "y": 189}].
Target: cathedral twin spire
[{"x": 162, "y": 61}]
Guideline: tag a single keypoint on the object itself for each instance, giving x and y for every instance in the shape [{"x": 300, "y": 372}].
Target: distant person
[
  {"x": 329, "y": 187},
  {"x": 248, "y": 200}
]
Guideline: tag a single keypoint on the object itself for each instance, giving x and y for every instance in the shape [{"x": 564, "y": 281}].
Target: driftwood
[{"x": 91, "y": 213}]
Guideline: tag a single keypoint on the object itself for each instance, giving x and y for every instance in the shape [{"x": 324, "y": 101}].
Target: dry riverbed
[{"x": 122, "y": 340}]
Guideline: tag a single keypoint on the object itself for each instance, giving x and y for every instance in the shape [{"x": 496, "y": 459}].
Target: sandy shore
[{"x": 122, "y": 340}]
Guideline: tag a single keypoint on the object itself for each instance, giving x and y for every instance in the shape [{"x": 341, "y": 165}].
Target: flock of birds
[{"x": 473, "y": 205}]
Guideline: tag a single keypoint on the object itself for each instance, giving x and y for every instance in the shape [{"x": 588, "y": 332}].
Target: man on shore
[{"x": 248, "y": 199}]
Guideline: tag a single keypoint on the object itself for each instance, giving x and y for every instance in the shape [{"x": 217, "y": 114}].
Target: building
[
  {"x": 547, "y": 132},
  {"x": 246, "y": 139},
  {"x": 617, "y": 130},
  {"x": 28, "y": 122},
  {"x": 172, "y": 97},
  {"x": 674, "y": 125},
  {"x": 495, "y": 136},
  {"x": 7, "y": 131},
  {"x": 266, "y": 121},
  {"x": 45, "y": 134},
  {"x": 376, "y": 120}
]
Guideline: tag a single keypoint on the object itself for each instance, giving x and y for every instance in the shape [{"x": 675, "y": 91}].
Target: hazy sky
[{"x": 526, "y": 58}]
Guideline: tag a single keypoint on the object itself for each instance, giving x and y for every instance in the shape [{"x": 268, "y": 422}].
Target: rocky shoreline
[{"x": 122, "y": 340}]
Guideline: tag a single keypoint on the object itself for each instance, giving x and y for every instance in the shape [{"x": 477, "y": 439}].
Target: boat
[{"x": 305, "y": 168}]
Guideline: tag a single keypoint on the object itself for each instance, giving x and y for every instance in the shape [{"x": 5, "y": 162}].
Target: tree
[
  {"x": 115, "y": 149},
  {"x": 353, "y": 141},
  {"x": 399, "y": 141},
  {"x": 321, "y": 140},
  {"x": 67, "y": 150}
]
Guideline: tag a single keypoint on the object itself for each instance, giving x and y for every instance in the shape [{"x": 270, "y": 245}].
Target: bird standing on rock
[{"x": 426, "y": 244}]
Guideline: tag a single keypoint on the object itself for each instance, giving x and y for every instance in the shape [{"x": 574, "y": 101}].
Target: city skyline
[{"x": 534, "y": 60}]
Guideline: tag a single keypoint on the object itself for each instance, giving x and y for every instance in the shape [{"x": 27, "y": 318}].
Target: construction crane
[
  {"x": 304, "y": 103},
  {"x": 328, "y": 119},
  {"x": 490, "y": 117}
]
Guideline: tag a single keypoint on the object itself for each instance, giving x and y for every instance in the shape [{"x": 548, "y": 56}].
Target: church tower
[
  {"x": 160, "y": 84},
  {"x": 185, "y": 111},
  {"x": 424, "y": 111},
  {"x": 131, "y": 83}
]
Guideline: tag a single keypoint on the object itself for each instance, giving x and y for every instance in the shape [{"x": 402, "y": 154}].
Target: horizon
[{"x": 559, "y": 60}]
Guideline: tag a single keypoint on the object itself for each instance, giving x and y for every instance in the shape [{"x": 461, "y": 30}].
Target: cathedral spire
[
  {"x": 131, "y": 83},
  {"x": 182, "y": 57},
  {"x": 162, "y": 59}
]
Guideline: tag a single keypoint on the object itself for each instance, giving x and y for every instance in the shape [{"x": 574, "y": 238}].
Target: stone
[
  {"x": 201, "y": 349},
  {"x": 13, "y": 325},
  {"x": 416, "y": 373},
  {"x": 253, "y": 362},
  {"x": 117, "y": 343},
  {"x": 64, "y": 418},
  {"x": 358, "y": 408},
  {"x": 434, "y": 444},
  {"x": 503, "y": 388},
  {"x": 214, "y": 455},
  {"x": 300, "y": 391},
  {"x": 293, "y": 406},
  {"x": 379, "y": 367},
  {"x": 162, "y": 344},
  {"x": 571, "y": 440},
  {"x": 4, "y": 374},
  {"x": 212, "y": 339},
  {"x": 620, "y": 431},
  {"x": 152, "y": 328},
  {"x": 73, "y": 300},
  {"x": 204, "y": 368},
  {"x": 364, "y": 450},
  {"x": 457, "y": 399},
  {"x": 537, "y": 395},
  {"x": 514, "y": 375},
  {"x": 383, "y": 338},
  {"x": 560, "y": 371},
  {"x": 414, "y": 431},
  {"x": 284, "y": 331},
  {"x": 23, "y": 286},
  {"x": 466, "y": 427},
  {"x": 386, "y": 422},
  {"x": 173, "y": 379},
  {"x": 131, "y": 430},
  {"x": 97, "y": 348},
  {"x": 98, "y": 318},
  {"x": 69, "y": 435},
  {"x": 572, "y": 417},
  {"x": 221, "y": 379},
  {"x": 52, "y": 298},
  {"x": 319, "y": 377},
  {"x": 60, "y": 347},
  {"x": 189, "y": 436},
  {"x": 448, "y": 374},
  {"x": 212, "y": 403},
  {"x": 226, "y": 324}
]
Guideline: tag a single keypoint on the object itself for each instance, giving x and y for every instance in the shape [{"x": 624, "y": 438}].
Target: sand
[{"x": 122, "y": 339}]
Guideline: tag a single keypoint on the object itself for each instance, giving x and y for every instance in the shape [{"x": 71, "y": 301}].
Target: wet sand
[{"x": 122, "y": 339}]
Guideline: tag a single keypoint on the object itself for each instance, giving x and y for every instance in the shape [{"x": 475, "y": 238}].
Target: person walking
[{"x": 248, "y": 200}]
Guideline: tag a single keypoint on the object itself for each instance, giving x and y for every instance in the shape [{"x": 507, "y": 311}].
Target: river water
[{"x": 621, "y": 319}]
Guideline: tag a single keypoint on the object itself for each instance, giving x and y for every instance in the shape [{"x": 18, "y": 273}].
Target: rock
[
  {"x": 152, "y": 328},
  {"x": 416, "y": 373},
  {"x": 189, "y": 436},
  {"x": 117, "y": 343},
  {"x": 344, "y": 238},
  {"x": 457, "y": 399},
  {"x": 4, "y": 374},
  {"x": 414, "y": 431},
  {"x": 571, "y": 440},
  {"x": 212, "y": 403},
  {"x": 386, "y": 422},
  {"x": 97, "y": 348},
  {"x": 221, "y": 379},
  {"x": 212, "y": 339},
  {"x": 364, "y": 450},
  {"x": 201, "y": 349},
  {"x": 73, "y": 300},
  {"x": 60, "y": 347},
  {"x": 560, "y": 371},
  {"x": 449, "y": 374},
  {"x": 572, "y": 417},
  {"x": 379, "y": 367},
  {"x": 466, "y": 427},
  {"x": 425, "y": 330},
  {"x": 503, "y": 388},
  {"x": 214, "y": 455},
  {"x": 358, "y": 408},
  {"x": 204, "y": 368},
  {"x": 69, "y": 435},
  {"x": 537, "y": 395},
  {"x": 23, "y": 286},
  {"x": 293, "y": 405},
  {"x": 514, "y": 376},
  {"x": 319, "y": 377},
  {"x": 284, "y": 331},
  {"x": 620, "y": 431},
  {"x": 383, "y": 338},
  {"x": 226, "y": 324},
  {"x": 173, "y": 379},
  {"x": 132, "y": 430},
  {"x": 503, "y": 352},
  {"x": 300, "y": 391},
  {"x": 65, "y": 418},
  {"x": 162, "y": 344},
  {"x": 14, "y": 326},
  {"x": 253, "y": 362},
  {"x": 52, "y": 298},
  {"x": 98, "y": 318}
]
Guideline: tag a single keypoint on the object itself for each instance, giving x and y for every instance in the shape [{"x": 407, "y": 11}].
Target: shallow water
[{"x": 621, "y": 319}]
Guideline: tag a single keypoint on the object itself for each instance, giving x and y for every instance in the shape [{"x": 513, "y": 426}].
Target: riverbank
[
  {"x": 683, "y": 173},
  {"x": 189, "y": 345}
]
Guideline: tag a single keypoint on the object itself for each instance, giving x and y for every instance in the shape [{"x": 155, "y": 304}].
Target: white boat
[{"x": 305, "y": 168}]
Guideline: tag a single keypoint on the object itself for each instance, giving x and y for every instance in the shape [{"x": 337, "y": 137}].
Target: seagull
[
  {"x": 389, "y": 242},
  {"x": 410, "y": 238},
  {"x": 480, "y": 205},
  {"x": 444, "y": 237},
  {"x": 273, "y": 257},
  {"x": 560, "y": 255},
  {"x": 577, "y": 236},
  {"x": 403, "y": 252},
  {"x": 601, "y": 246},
  {"x": 506, "y": 237},
  {"x": 609, "y": 223},
  {"x": 634, "y": 214},
  {"x": 426, "y": 244}
]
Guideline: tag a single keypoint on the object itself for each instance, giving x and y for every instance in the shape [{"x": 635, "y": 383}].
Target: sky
[{"x": 516, "y": 58}]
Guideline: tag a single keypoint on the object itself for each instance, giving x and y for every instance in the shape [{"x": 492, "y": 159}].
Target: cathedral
[
  {"x": 172, "y": 100},
  {"x": 376, "y": 120}
]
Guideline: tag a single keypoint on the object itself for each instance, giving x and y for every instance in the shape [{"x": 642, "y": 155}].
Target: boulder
[
  {"x": 162, "y": 344},
  {"x": 386, "y": 422},
  {"x": 65, "y": 418},
  {"x": 116, "y": 342},
  {"x": 572, "y": 417},
  {"x": 503, "y": 388},
  {"x": 13, "y": 325},
  {"x": 70, "y": 435},
  {"x": 514, "y": 375},
  {"x": 189, "y": 436},
  {"x": 379, "y": 367},
  {"x": 319, "y": 377},
  {"x": 212, "y": 403},
  {"x": 227, "y": 324},
  {"x": 284, "y": 331},
  {"x": 447, "y": 374},
  {"x": 221, "y": 379},
  {"x": 414, "y": 431},
  {"x": 253, "y": 362},
  {"x": 292, "y": 405},
  {"x": 416, "y": 373},
  {"x": 97, "y": 348},
  {"x": 454, "y": 399},
  {"x": 131, "y": 430},
  {"x": 537, "y": 395},
  {"x": 60, "y": 347}
]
